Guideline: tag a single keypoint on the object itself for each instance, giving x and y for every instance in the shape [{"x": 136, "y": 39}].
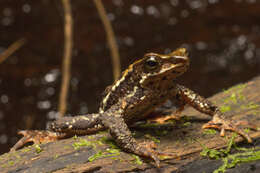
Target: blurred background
[{"x": 222, "y": 38}]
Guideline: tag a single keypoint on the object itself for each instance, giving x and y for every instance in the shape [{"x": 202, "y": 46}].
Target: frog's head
[{"x": 162, "y": 68}]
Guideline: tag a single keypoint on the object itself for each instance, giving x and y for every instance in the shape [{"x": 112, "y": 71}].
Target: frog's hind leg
[
  {"x": 122, "y": 135},
  {"x": 166, "y": 113},
  {"x": 161, "y": 118},
  {"x": 77, "y": 125},
  {"x": 62, "y": 128}
]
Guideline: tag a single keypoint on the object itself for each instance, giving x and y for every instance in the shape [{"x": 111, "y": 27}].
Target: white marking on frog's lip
[
  {"x": 181, "y": 57},
  {"x": 166, "y": 70}
]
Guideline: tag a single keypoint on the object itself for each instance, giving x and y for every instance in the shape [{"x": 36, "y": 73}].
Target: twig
[
  {"x": 67, "y": 54},
  {"x": 11, "y": 49},
  {"x": 110, "y": 38}
]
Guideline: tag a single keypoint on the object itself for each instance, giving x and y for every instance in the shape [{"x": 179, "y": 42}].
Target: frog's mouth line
[{"x": 174, "y": 68}]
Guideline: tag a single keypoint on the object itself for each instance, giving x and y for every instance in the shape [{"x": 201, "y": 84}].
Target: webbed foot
[
  {"x": 148, "y": 149},
  {"x": 35, "y": 136},
  {"x": 231, "y": 125}
]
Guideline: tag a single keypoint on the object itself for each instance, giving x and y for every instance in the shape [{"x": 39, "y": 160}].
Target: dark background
[{"x": 222, "y": 38}]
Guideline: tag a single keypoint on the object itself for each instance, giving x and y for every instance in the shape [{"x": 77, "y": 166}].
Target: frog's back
[{"x": 121, "y": 89}]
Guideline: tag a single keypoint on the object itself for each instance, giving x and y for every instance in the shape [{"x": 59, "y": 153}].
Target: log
[{"x": 184, "y": 138}]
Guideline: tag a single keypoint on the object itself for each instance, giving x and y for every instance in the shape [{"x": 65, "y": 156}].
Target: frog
[{"x": 144, "y": 86}]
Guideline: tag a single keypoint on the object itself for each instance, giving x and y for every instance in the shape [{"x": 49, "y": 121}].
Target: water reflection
[
  {"x": 137, "y": 10},
  {"x": 44, "y": 104},
  {"x": 26, "y": 8},
  {"x": 51, "y": 76},
  {"x": 153, "y": 11},
  {"x": 3, "y": 139},
  {"x": 4, "y": 99}
]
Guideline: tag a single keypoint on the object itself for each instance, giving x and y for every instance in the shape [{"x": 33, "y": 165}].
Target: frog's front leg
[
  {"x": 122, "y": 135},
  {"x": 63, "y": 127},
  {"x": 219, "y": 120}
]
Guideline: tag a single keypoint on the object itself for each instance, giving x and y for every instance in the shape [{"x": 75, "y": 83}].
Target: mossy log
[{"x": 184, "y": 138}]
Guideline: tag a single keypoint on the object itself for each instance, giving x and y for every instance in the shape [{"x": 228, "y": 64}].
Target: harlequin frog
[{"x": 143, "y": 86}]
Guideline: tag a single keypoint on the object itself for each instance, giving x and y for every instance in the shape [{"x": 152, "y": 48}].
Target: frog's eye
[{"x": 151, "y": 63}]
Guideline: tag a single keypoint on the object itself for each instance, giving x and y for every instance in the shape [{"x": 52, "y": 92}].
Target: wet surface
[{"x": 221, "y": 36}]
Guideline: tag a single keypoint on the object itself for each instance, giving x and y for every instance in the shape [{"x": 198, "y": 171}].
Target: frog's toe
[
  {"x": 246, "y": 124},
  {"x": 149, "y": 150},
  {"x": 223, "y": 125},
  {"x": 35, "y": 136}
]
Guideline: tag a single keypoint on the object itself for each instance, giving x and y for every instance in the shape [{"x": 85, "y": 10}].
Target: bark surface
[{"x": 98, "y": 153}]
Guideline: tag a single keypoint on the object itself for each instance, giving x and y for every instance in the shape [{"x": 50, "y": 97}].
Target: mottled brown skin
[{"x": 144, "y": 86}]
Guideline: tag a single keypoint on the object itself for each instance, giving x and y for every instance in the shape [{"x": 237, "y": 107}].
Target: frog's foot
[
  {"x": 163, "y": 119},
  {"x": 223, "y": 124},
  {"x": 148, "y": 149},
  {"x": 37, "y": 137}
]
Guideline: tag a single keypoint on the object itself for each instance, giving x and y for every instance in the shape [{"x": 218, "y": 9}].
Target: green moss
[
  {"x": 26, "y": 149},
  {"x": 55, "y": 156},
  {"x": 236, "y": 94},
  {"x": 113, "y": 151},
  {"x": 82, "y": 143},
  {"x": 99, "y": 154},
  {"x": 38, "y": 149},
  {"x": 11, "y": 163},
  {"x": 149, "y": 125},
  {"x": 225, "y": 108},
  {"x": 108, "y": 153},
  {"x": 110, "y": 142},
  {"x": 238, "y": 87},
  {"x": 231, "y": 160},
  {"x": 75, "y": 137},
  {"x": 66, "y": 147},
  {"x": 148, "y": 136},
  {"x": 161, "y": 132},
  {"x": 231, "y": 99},
  {"x": 209, "y": 132},
  {"x": 186, "y": 124},
  {"x": 137, "y": 160},
  {"x": 250, "y": 105},
  {"x": 247, "y": 130}
]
